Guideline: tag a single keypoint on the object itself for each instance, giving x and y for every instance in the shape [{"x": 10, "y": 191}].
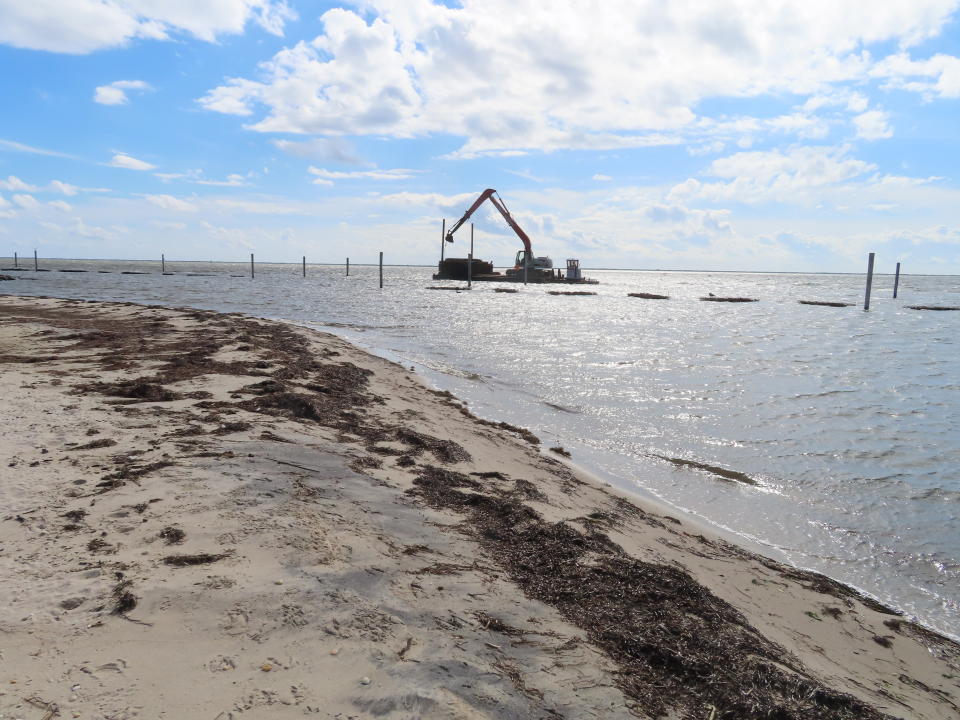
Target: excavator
[{"x": 535, "y": 266}]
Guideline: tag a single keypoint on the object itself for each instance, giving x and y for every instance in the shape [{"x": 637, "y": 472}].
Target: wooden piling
[
  {"x": 251, "y": 266},
  {"x": 35, "y": 267},
  {"x": 896, "y": 280},
  {"x": 163, "y": 263},
  {"x": 470, "y": 261},
  {"x": 304, "y": 265},
  {"x": 381, "y": 269},
  {"x": 16, "y": 260},
  {"x": 866, "y": 298},
  {"x": 348, "y": 267}
]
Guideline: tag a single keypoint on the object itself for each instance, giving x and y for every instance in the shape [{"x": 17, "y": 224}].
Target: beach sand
[{"x": 214, "y": 516}]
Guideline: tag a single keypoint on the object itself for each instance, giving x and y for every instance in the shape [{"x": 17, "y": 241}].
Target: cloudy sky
[{"x": 689, "y": 134}]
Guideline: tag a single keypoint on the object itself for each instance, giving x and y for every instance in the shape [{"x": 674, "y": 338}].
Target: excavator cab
[{"x": 524, "y": 257}]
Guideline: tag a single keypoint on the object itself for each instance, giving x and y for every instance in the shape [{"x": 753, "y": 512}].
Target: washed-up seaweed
[{"x": 677, "y": 647}]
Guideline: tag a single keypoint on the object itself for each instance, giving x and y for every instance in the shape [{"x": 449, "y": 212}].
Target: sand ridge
[{"x": 217, "y": 516}]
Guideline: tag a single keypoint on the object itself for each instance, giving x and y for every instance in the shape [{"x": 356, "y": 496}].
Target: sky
[{"x": 765, "y": 135}]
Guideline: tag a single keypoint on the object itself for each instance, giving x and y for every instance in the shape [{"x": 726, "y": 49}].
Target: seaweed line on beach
[{"x": 677, "y": 647}]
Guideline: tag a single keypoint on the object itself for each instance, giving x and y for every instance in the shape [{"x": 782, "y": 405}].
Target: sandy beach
[{"x": 215, "y": 516}]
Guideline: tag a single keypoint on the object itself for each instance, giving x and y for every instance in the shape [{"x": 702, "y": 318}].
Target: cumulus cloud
[
  {"x": 14, "y": 183},
  {"x": 65, "y": 188},
  {"x": 122, "y": 160},
  {"x": 762, "y": 176},
  {"x": 27, "y": 202},
  {"x": 416, "y": 68},
  {"x": 116, "y": 92},
  {"x": 60, "y": 205},
  {"x": 602, "y": 178},
  {"x": 873, "y": 125},
  {"x": 83, "y": 26},
  {"x": 938, "y": 76},
  {"x": 169, "y": 202}
]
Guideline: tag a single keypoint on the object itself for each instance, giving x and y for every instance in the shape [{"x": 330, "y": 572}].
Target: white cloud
[
  {"x": 122, "y": 160},
  {"x": 326, "y": 177},
  {"x": 83, "y": 26},
  {"x": 116, "y": 92},
  {"x": 938, "y": 76},
  {"x": 774, "y": 175},
  {"x": 14, "y": 183},
  {"x": 873, "y": 125},
  {"x": 94, "y": 232},
  {"x": 60, "y": 205},
  {"x": 415, "y": 68},
  {"x": 233, "y": 180},
  {"x": 169, "y": 202},
  {"x": 602, "y": 178},
  {"x": 65, "y": 188},
  {"x": 27, "y": 202},
  {"x": 336, "y": 150},
  {"x": 20, "y": 147},
  {"x": 168, "y": 225},
  {"x": 4, "y": 202},
  {"x": 197, "y": 177}
]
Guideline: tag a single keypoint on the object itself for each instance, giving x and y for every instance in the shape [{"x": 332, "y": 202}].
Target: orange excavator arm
[{"x": 498, "y": 203}]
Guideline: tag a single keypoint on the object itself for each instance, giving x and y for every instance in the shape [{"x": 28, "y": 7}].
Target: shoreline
[
  {"x": 632, "y": 491},
  {"x": 197, "y": 403}
]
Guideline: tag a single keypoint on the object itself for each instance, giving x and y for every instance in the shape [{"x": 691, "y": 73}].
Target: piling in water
[
  {"x": 866, "y": 297},
  {"x": 896, "y": 280}
]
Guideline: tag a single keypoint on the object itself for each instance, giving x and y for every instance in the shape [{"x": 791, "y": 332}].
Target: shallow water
[{"x": 846, "y": 420}]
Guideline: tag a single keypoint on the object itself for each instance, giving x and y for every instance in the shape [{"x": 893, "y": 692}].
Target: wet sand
[{"x": 213, "y": 516}]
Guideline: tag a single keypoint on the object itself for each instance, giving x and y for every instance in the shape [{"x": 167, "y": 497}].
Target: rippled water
[{"x": 848, "y": 421}]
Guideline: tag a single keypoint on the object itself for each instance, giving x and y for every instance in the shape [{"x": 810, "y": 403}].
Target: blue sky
[{"x": 738, "y": 134}]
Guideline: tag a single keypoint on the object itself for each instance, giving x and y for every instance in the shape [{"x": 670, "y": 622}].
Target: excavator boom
[{"x": 491, "y": 194}]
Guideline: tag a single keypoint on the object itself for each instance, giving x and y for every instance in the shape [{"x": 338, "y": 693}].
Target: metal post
[
  {"x": 348, "y": 267},
  {"x": 251, "y": 266},
  {"x": 381, "y": 269},
  {"x": 35, "y": 261},
  {"x": 896, "y": 280},
  {"x": 443, "y": 240},
  {"x": 866, "y": 299},
  {"x": 470, "y": 261},
  {"x": 163, "y": 263},
  {"x": 304, "y": 265}
]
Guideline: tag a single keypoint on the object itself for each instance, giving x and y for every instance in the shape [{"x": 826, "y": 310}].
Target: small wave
[
  {"x": 826, "y": 393},
  {"x": 937, "y": 493}
]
